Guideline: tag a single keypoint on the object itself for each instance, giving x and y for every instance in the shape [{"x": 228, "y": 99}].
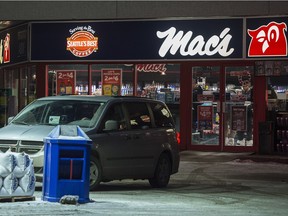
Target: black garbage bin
[
  {"x": 266, "y": 137},
  {"x": 66, "y": 164}
]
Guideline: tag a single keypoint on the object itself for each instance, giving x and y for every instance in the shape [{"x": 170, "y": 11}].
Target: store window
[
  {"x": 27, "y": 85},
  {"x": 277, "y": 90},
  {"x": 157, "y": 81},
  {"x": 238, "y": 114},
  {"x": 81, "y": 81},
  {"x": 277, "y": 83},
  {"x": 17, "y": 90},
  {"x": 3, "y": 100},
  {"x": 23, "y": 99},
  {"x": 9, "y": 95},
  {"x": 277, "y": 94},
  {"x": 205, "y": 105},
  {"x": 112, "y": 79},
  {"x": 161, "y": 82},
  {"x": 31, "y": 82},
  {"x": 68, "y": 79}
]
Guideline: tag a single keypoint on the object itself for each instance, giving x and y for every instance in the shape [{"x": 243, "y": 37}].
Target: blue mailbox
[{"x": 66, "y": 164}]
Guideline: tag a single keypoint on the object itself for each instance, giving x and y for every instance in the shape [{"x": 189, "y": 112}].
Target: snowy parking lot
[{"x": 206, "y": 184}]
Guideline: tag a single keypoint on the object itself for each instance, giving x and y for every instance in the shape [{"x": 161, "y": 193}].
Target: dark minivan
[{"x": 133, "y": 137}]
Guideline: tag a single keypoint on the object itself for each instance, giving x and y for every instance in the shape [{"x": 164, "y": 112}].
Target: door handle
[
  {"x": 136, "y": 136},
  {"x": 127, "y": 137}
]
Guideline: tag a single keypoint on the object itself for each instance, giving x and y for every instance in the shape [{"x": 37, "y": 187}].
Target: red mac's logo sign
[{"x": 269, "y": 40}]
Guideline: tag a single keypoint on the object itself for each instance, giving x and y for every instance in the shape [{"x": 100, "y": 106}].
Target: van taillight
[{"x": 178, "y": 137}]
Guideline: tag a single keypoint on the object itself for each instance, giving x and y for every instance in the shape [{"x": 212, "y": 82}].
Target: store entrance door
[
  {"x": 238, "y": 110},
  {"x": 222, "y": 106},
  {"x": 205, "y": 105}
]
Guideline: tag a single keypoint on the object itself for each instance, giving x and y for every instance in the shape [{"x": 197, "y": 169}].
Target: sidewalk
[
  {"x": 266, "y": 158},
  {"x": 200, "y": 156}
]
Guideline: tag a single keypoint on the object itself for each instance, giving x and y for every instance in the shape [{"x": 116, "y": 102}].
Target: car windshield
[{"x": 51, "y": 112}]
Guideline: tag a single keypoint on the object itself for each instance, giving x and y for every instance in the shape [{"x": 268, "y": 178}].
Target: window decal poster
[
  {"x": 111, "y": 82},
  {"x": 205, "y": 117},
  {"x": 239, "y": 118},
  {"x": 65, "y": 82}
]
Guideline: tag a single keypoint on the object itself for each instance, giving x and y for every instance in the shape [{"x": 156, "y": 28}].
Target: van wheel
[
  {"x": 162, "y": 173},
  {"x": 95, "y": 173}
]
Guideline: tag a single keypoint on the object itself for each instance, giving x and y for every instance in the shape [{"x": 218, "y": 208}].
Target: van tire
[
  {"x": 162, "y": 172},
  {"x": 95, "y": 173}
]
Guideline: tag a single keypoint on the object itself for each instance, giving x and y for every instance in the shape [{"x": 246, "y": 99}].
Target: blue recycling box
[{"x": 66, "y": 164}]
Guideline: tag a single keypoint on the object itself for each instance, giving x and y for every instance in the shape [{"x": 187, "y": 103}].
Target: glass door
[
  {"x": 238, "y": 111},
  {"x": 205, "y": 105}
]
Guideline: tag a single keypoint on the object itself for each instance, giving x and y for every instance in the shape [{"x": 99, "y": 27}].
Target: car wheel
[
  {"x": 95, "y": 173},
  {"x": 162, "y": 172}
]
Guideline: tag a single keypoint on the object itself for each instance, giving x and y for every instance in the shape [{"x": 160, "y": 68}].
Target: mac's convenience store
[{"x": 197, "y": 66}]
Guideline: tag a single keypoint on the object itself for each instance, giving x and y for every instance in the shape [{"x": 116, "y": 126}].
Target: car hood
[{"x": 25, "y": 132}]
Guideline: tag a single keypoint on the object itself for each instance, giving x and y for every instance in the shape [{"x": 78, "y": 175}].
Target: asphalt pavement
[
  {"x": 201, "y": 175},
  {"x": 202, "y": 156}
]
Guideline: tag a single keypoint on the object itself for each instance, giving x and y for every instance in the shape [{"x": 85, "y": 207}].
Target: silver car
[{"x": 133, "y": 138}]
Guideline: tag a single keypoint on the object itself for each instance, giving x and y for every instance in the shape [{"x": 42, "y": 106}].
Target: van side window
[
  {"x": 139, "y": 115},
  {"x": 162, "y": 116},
  {"x": 114, "y": 119},
  {"x": 85, "y": 111}
]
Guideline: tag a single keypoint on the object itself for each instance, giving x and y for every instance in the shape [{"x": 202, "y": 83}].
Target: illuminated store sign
[
  {"x": 266, "y": 37},
  {"x": 268, "y": 40},
  {"x": 13, "y": 45},
  {"x": 82, "y": 42},
  {"x": 161, "y": 68},
  {"x": 138, "y": 40},
  {"x": 191, "y": 45},
  {"x": 5, "y": 49}
]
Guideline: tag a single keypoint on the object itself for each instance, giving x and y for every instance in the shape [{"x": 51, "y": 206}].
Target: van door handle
[
  {"x": 136, "y": 136},
  {"x": 127, "y": 137}
]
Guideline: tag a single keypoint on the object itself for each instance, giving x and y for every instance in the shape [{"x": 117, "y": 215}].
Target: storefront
[{"x": 214, "y": 74}]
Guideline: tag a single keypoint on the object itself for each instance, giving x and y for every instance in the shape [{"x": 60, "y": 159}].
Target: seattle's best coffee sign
[
  {"x": 161, "y": 40},
  {"x": 82, "y": 42}
]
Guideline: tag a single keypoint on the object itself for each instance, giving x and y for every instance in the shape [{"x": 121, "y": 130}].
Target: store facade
[{"x": 214, "y": 74}]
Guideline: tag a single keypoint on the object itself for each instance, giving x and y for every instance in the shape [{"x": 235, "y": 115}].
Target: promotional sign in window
[
  {"x": 239, "y": 118},
  {"x": 111, "y": 82},
  {"x": 65, "y": 81},
  {"x": 267, "y": 37},
  {"x": 205, "y": 117}
]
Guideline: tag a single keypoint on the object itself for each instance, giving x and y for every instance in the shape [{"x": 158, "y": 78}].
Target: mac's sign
[{"x": 191, "y": 45}]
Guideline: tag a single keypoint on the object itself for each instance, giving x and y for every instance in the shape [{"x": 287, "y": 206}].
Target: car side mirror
[
  {"x": 10, "y": 119},
  {"x": 111, "y": 125}
]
